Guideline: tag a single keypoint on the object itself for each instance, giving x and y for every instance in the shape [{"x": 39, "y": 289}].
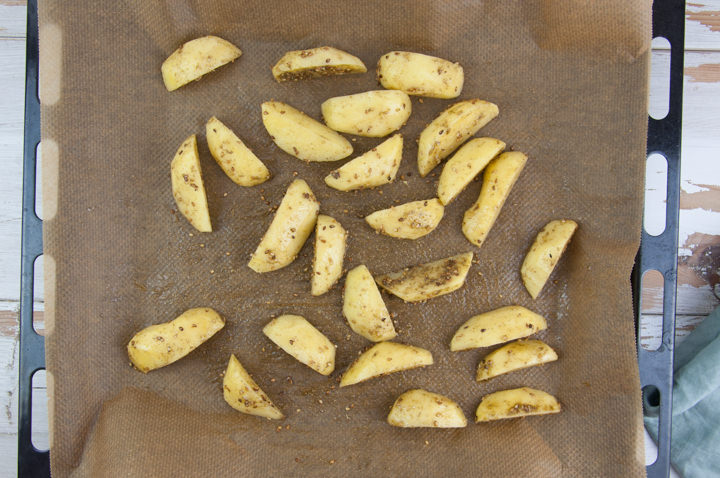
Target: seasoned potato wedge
[
  {"x": 290, "y": 228},
  {"x": 364, "y": 308},
  {"x": 545, "y": 253},
  {"x": 244, "y": 395},
  {"x": 316, "y": 62},
  {"x": 330, "y": 238},
  {"x": 498, "y": 180},
  {"x": 497, "y": 326},
  {"x": 162, "y": 344},
  {"x": 384, "y": 358},
  {"x": 296, "y": 336},
  {"x": 236, "y": 159},
  {"x": 420, "y": 408},
  {"x": 467, "y": 163},
  {"x": 196, "y": 58},
  {"x": 373, "y": 113},
  {"x": 374, "y": 168},
  {"x": 408, "y": 221},
  {"x": 450, "y": 129},
  {"x": 422, "y": 75},
  {"x": 188, "y": 187},
  {"x": 519, "y": 402},
  {"x": 515, "y": 356},
  {"x": 426, "y": 281},
  {"x": 301, "y": 136}
]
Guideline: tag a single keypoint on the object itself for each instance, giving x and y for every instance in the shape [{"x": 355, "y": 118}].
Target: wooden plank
[
  {"x": 702, "y": 25},
  {"x": 12, "y": 19},
  {"x": 651, "y": 329}
]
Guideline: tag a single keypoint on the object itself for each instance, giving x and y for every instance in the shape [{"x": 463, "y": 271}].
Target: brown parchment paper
[{"x": 570, "y": 79}]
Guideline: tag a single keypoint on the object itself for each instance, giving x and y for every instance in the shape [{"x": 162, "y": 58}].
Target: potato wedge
[
  {"x": 290, "y": 228},
  {"x": 518, "y": 402},
  {"x": 497, "y": 326},
  {"x": 244, "y": 395},
  {"x": 545, "y": 253},
  {"x": 330, "y": 238},
  {"x": 162, "y": 344},
  {"x": 195, "y": 59},
  {"x": 374, "y": 168},
  {"x": 385, "y": 358},
  {"x": 236, "y": 159},
  {"x": 467, "y": 163},
  {"x": 450, "y": 129},
  {"x": 408, "y": 221},
  {"x": 364, "y": 308},
  {"x": 187, "y": 185},
  {"x": 420, "y": 408},
  {"x": 425, "y": 281},
  {"x": 296, "y": 336},
  {"x": 316, "y": 62},
  {"x": 515, "y": 356},
  {"x": 422, "y": 75},
  {"x": 301, "y": 136},
  {"x": 498, "y": 180},
  {"x": 373, "y": 113}
]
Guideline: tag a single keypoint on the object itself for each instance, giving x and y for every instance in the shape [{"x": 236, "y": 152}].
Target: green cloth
[{"x": 695, "y": 443}]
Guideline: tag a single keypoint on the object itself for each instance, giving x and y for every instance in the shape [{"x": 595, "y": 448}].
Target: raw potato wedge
[
  {"x": 244, "y": 395},
  {"x": 316, "y": 62},
  {"x": 450, "y": 129},
  {"x": 301, "y": 136},
  {"x": 196, "y": 58},
  {"x": 330, "y": 239},
  {"x": 290, "y": 228},
  {"x": 467, "y": 163},
  {"x": 296, "y": 336},
  {"x": 498, "y": 180},
  {"x": 373, "y": 113},
  {"x": 425, "y": 281},
  {"x": 364, "y": 308},
  {"x": 187, "y": 185},
  {"x": 518, "y": 402},
  {"x": 497, "y": 326},
  {"x": 376, "y": 167},
  {"x": 408, "y": 221},
  {"x": 236, "y": 159},
  {"x": 422, "y": 75},
  {"x": 420, "y": 408},
  {"x": 384, "y": 358},
  {"x": 545, "y": 253},
  {"x": 162, "y": 344},
  {"x": 515, "y": 356}
]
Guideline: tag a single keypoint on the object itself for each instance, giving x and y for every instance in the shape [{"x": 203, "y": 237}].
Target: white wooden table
[{"x": 699, "y": 251}]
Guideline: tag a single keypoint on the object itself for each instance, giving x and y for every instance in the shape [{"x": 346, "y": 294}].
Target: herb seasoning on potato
[
  {"x": 316, "y": 62},
  {"x": 421, "y": 75},
  {"x": 384, "y": 358},
  {"x": 420, "y": 408},
  {"x": 195, "y": 59},
  {"x": 187, "y": 185},
  {"x": 545, "y": 253},
  {"x": 376, "y": 167},
  {"x": 519, "y": 402}
]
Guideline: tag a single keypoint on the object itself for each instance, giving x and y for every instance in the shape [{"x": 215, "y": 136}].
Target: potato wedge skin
[
  {"x": 244, "y": 395},
  {"x": 196, "y": 58},
  {"x": 330, "y": 240},
  {"x": 290, "y": 228},
  {"x": 420, "y": 408},
  {"x": 545, "y": 253},
  {"x": 497, "y": 326},
  {"x": 374, "y": 113},
  {"x": 371, "y": 169},
  {"x": 187, "y": 185},
  {"x": 498, "y": 179},
  {"x": 384, "y": 358},
  {"x": 450, "y": 129},
  {"x": 301, "y": 136},
  {"x": 467, "y": 163},
  {"x": 514, "y": 356},
  {"x": 233, "y": 156},
  {"x": 364, "y": 308},
  {"x": 518, "y": 402},
  {"x": 316, "y": 62},
  {"x": 425, "y": 281},
  {"x": 299, "y": 338},
  {"x": 422, "y": 75},
  {"x": 162, "y": 344},
  {"x": 411, "y": 220}
]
